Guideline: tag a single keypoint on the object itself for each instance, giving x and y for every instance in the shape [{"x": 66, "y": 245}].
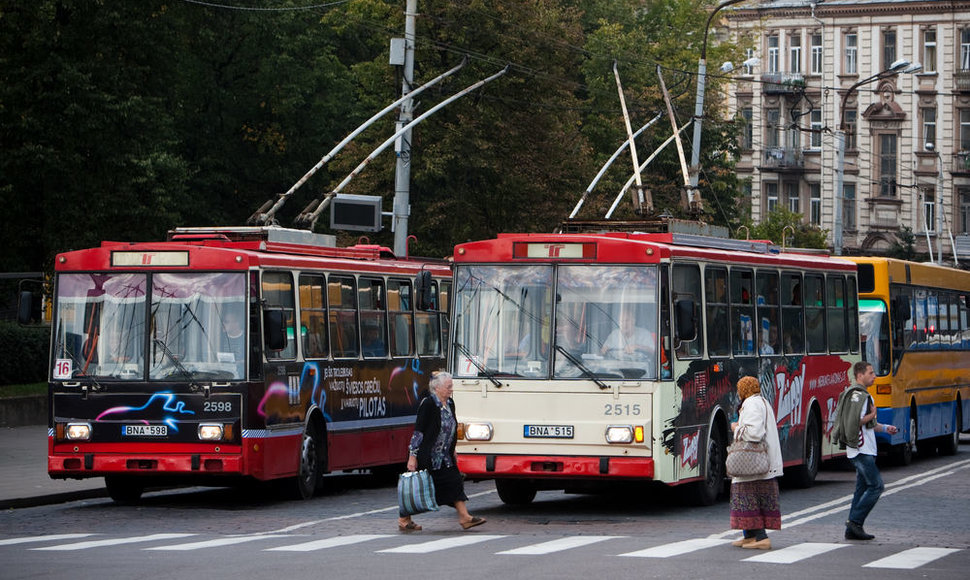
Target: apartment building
[{"x": 820, "y": 66}]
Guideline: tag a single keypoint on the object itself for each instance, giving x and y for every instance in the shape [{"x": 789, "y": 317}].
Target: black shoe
[{"x": 854, "y": 531}]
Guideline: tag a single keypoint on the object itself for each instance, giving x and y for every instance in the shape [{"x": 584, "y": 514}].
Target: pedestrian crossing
[{"x": 417, "y": 544}]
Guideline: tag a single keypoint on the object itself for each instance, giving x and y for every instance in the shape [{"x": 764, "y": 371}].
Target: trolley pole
[{"x": 402, "y": 174}]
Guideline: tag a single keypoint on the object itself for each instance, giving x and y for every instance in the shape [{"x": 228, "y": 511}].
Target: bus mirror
[
  {"x": 274, "y": 329},
  {"x": 422, "y": 289},
  {"x": 25, "y": 308},
  {"x": 686, "y": 328}
]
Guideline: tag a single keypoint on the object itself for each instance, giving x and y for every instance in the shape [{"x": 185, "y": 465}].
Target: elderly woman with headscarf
[
  {"x": 754, "y": 499},
  {"x": 432, "y": 447}
]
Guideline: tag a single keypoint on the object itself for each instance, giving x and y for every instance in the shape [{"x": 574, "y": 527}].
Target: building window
[
  {"x": 747, "y": 132},
  {"x": 791, "y": 192},
  {"x": 964, "y": 130},
  {"x": 848, "y": 206},
  {"x": 851, "y": 54},
  {"x": 795, "y": 53},
  {"x": 771, "y": 196},
  {"x": 815, "y": 139},
  {"x": 772, "y": 120},
  {"x": 965, "y": 49},
  {"x": 746, "y": 188},
  {"x": 963, "y": 194},
  {"x": 773, "y": 48},
  {"x": 929, "y": 210},
  {"x": 888, "y": 48},
  {"x": 748, "y": 58},
  {"x": 887, "y": 164},
  {"x": 815, "y": 211},
  {"x": 817, "y": 53},
  {"x": 929, "y": 126},
  {"x": 850, "y": 125},
  {"x": 929, "y": 50}
]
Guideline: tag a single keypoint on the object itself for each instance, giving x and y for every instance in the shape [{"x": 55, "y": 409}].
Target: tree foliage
[
  {"x": 121, "y": 120},
  {"x": 786, "y": 226}
]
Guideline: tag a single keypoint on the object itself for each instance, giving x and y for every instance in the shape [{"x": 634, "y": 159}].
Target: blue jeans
[{"x": 868, "y": 487}]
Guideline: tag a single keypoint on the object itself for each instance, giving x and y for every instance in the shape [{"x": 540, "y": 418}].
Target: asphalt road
[{"x": 922, "y": 528}]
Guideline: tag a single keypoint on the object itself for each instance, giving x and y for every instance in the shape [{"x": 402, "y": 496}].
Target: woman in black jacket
[{"x": 432, "y": 447}]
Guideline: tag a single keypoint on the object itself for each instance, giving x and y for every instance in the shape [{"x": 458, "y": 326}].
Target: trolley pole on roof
[{"x": 402, "y": 174}]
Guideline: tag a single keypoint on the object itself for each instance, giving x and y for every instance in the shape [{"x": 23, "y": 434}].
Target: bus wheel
[
  {"x": 123, "y": 490},
  {"x": 804, "y": 475},
  {"x": 706, "y": 491},
  {"x": 306, "y": 480},
  {"x": 515, "y": 491},
  {"x": 903, "y": 454},
  {"x": 949, "y": 444}
]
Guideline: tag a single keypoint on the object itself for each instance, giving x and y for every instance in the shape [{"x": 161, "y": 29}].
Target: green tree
[
  {"x": 904, "y": 244},
  {"x": 800, "y": 234}
]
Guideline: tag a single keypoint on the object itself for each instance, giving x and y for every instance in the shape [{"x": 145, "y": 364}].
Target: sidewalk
[{"x": 23, "y": 465}]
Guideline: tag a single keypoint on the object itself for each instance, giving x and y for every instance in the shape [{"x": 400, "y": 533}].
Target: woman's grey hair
[{"x": 437, "y": 379}]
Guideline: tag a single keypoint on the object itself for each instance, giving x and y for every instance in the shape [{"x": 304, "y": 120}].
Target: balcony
[
  {"x": 782, "y": 83},
  {"x": 962, "y": 80},
  {"x": 961, "y": 163},
  {"x": 783, "y": 160}
]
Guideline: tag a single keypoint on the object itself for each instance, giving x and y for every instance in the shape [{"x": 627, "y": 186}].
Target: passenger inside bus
[{"x": 373, "y": 342}]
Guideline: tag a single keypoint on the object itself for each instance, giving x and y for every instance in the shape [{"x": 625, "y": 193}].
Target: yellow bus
[{"x": 915, "y": 331}]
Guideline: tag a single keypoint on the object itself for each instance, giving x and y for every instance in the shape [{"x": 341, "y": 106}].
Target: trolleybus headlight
[
  {"x": 619, "y": 434},
  {"x": 210, "y": 431},
  {"x": 478, "y": 431},
  {"x": 78, "y": 432}
]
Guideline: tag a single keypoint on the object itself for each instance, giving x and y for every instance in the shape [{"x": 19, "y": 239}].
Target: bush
[{"x": 23, "y": 353}]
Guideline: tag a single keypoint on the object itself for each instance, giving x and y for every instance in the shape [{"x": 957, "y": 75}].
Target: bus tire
[
  {"x": 708, "y": 490},
  {"x": 304, "y": 485},
  {"x": 804, "y": 475},
  {"x": 123, "y": 490},
  {"x": 903, "y": 453},
  {"x": 515, "y": 491},
  {"x": 950, "y": 444}
]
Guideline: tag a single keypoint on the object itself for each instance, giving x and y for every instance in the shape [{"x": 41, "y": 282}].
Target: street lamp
[
  {"x": 695, "y": 154},
  {"x": 900, "y": 66}
]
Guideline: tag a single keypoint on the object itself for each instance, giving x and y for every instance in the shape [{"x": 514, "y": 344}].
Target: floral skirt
[{"x": 754, "y": 505}]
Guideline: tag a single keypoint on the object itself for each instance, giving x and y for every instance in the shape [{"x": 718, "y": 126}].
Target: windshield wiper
[
  {"x": 585, "y": 370},
  {"x": 178, "y": 365},
  {"x": 482, "y": 371}
]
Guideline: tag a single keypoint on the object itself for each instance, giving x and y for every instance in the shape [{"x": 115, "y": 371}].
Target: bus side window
[
  {"x": 313, "y": 313},
  {"x": 742, "y": 312},
  {"x": 426, "y": 331},
  {"x": 814, "y": 297},
  {"x": 687, "y": 288},
  {"x": 278, "y": 293},
  {"x": 718, "y": 333},
  {"x": 792, "y": 318},
  {"x": 767, "y": 319},
  {"x": 838, "y": 331},
  {"x": 373, "y": 322},
  {"x": 342, "y": 298},
  {"x": 852, "y": 300},
  {"x": 399, "y": 301}
]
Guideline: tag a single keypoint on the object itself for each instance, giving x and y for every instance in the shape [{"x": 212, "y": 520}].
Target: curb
[
  {"x": 23, "y": 411},
  {"x": 27, "y": 502}
]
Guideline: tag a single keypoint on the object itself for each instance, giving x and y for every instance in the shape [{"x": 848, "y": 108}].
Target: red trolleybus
[
  {"x": 596, "y": 357},
  {"x": 234, "y": 353}
]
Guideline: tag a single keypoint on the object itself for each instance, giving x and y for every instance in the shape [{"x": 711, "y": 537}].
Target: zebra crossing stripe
[
  {"x": 909, "y": 559},
  {"x": 794, "y": 553},
  {"x": 49, "y": 538},
  {"x": 328, "y": 543},
  {"x": 677, "y": 548},
  {"x": 558, "y": 545},
  {"x": 213, "y": 543},
  {"x": 437, "y": 545},
  {"x": 114, "y": 542}
]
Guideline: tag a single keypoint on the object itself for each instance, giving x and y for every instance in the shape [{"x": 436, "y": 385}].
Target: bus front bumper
[{"x": 490, "y": 466}]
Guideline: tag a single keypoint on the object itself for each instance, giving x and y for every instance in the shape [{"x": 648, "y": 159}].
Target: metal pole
[
  {"x": 402, "y": 174},
  {"x": 939, "y": 205},
  {"x": 638, "y": 201},
  {"x": 839, "y": 185}
]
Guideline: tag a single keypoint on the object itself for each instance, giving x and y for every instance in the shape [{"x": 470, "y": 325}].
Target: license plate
[
  {"x": 548, "y": 431},
  {"x": 144, "y": 430}
]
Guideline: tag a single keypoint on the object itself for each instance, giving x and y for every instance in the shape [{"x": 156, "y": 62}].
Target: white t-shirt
[{"x": 867, "y": 436}]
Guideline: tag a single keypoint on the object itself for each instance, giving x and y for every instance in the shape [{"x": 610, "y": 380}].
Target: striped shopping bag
[{"x": 415, "y": 493}]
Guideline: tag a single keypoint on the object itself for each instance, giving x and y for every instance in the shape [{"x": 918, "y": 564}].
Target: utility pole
[
  {"x": 402, "y": 174},
  {"x": 939, "y": 206}
]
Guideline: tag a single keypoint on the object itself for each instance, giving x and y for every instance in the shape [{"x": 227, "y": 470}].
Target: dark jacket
[
  {"x": 845, "y": 432},
  {"x": 428, "y": 423}
]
